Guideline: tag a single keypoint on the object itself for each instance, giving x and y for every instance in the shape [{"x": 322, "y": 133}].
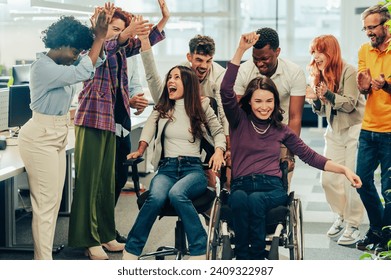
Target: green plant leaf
[{"x": 366, "y": 256}]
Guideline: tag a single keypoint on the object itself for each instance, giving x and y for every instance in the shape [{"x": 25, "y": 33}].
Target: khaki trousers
[
  {"x": 42, "y": 141},
  {"x": 341, "y": 147}
]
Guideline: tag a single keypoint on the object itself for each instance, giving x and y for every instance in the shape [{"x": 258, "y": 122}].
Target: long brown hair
[
  {"x": 192, "y": 100},
  {"x": 329, "y": 46}
]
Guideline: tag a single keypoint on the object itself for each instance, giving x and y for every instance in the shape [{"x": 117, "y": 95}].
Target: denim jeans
[
  {"x": 180, "y": 180},
  {"x": 374, "y": 148},
  {"x": 250, "y": 199}
]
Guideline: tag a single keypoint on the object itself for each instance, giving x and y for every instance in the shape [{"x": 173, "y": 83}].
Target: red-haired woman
[{"x": 333, "y": 93}]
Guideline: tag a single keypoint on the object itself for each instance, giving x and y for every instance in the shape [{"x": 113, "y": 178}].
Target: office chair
[{"x": 201, "y": 204}]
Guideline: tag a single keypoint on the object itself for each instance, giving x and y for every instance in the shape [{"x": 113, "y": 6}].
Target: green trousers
[{"x": 92, "y": 213}]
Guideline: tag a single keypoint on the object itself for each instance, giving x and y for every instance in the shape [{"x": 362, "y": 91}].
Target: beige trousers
[
  {"x": 42, "y": 141},
  {"x": 341, "y": 147}
]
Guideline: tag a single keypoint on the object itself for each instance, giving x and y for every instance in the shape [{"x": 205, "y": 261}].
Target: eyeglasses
[{"x": 371, "y": 27}]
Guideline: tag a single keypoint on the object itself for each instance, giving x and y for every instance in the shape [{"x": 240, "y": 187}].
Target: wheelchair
[{"x": 284, "y": 226}]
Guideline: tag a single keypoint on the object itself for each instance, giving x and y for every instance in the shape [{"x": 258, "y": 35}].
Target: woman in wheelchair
[
  {"x": 179, "y": 122},
  {"x": 256, "y": 135}
]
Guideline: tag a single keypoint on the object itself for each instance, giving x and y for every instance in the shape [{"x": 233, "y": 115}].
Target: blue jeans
[
  {"x": 180, "y": 180},
  {"x": 250, "y": 199},
  {"x": 374, "y": 148}
]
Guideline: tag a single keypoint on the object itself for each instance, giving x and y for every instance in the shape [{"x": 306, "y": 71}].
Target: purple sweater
[{"x": 254, "y": 153}]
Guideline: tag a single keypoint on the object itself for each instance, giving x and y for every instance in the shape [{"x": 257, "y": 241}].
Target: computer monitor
[
  {"x": 19, "y": 111},
  {"x": 21, "y": 74}
]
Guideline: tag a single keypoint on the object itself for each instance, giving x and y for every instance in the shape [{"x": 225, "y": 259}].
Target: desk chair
[{"x": 202, "y": 204}]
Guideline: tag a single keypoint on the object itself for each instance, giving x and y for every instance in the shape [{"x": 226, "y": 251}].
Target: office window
[{"x": 297, "y": 22}]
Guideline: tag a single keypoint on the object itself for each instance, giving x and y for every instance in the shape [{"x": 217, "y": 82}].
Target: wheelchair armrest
[
  {"x": 284, "y": 170},
  {"x": 135, "y": 176},
  {"x": 133, "y": 161}
]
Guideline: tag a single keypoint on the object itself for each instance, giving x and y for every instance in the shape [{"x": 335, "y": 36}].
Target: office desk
[{"x": 12, "y": 165}]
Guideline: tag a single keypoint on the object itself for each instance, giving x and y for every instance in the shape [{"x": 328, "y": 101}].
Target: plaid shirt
[{"x": 97, "y": 99}]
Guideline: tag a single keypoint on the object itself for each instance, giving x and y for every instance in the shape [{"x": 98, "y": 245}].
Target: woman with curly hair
[
  {"x": 333, "y": 93},
  {"x": 103, "y": 113},
  {"x": 42, "y": 140}
]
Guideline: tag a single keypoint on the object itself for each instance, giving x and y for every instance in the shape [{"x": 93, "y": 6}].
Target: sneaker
[
  {"x": 337, "y": 228},
  {"x": 350, "y": 236},
  {"x": 369, "y": 241},
  {"x": 128, "y": 256}
]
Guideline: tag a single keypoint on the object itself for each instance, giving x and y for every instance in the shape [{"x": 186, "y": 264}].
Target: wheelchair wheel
[
  {"x": 213, "y": 230},
  {"x": 219, "y": 240},
  {"x": 296, "y": 238}
]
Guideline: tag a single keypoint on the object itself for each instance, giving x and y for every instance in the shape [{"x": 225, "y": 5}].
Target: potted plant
[{"x": 385, "y": 255}]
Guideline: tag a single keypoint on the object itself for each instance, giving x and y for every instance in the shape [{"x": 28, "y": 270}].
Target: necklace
[{"x": 258, "y": 130}]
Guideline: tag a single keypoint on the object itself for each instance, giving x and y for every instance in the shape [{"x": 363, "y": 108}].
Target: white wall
[
  {"x": 20, "y": 42},
  {"x": 352, "y": 37}
]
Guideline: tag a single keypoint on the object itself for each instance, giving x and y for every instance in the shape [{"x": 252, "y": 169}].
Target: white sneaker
[
  {"x": 128, "y": 256},
  {"x": 350, "y": 236},
  {"x": 337, "y": 228}
]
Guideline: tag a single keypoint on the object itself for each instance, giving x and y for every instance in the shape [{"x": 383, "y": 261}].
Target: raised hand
[
  {"x": 138, "y": 26},
  {"x": 248, "y": 40},
  {"x": 109, "y": 9},
  {"x": 101, "y": 25},
  {"x": 94, "y": 17},
  {"x": 164, "y": 9},
  {"x": 165, "y": 15}
]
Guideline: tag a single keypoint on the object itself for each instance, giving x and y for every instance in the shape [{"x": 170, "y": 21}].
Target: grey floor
[{"x": 316, "y": 214}]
